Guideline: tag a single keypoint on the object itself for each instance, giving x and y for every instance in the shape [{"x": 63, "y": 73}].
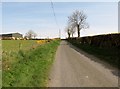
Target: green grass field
[
  {"x": 16, "y": 45},
  {"x": 27, "y": 68}
]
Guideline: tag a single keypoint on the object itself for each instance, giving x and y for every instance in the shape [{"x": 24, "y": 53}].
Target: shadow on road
[
  {"x": 114, "y": 70},
  {"x": 64, "y": 43},
  {"x": 116, "y": 73}
]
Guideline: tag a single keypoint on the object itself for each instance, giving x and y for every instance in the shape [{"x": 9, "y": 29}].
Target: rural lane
[{"x": 72, "y": 68}]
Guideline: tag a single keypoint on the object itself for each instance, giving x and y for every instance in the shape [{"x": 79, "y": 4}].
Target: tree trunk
[
  {"x": 68, "y": 35},
  {"x": 78, "y": 29},
  {"x": 72, "y": 34}
]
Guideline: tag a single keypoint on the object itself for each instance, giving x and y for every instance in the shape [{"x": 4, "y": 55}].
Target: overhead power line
[{"x": 52, "y": 6}]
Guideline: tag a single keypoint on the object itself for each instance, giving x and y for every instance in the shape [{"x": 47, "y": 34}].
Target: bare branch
[
  {"x": 30, "y": 34},
  {"x": 78, "y": 19}
]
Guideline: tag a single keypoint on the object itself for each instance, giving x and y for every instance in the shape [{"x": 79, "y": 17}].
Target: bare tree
[
  {"x": 30, "y": 34},
  {"x": 72, "y": 30},
  {"x": 34, "y": 35},
  {"x": 78, "y": 20},
  {"x": 68, "y": 32}
]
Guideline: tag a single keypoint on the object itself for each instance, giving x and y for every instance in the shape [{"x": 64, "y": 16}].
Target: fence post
[{"x": 19, "y": 46}]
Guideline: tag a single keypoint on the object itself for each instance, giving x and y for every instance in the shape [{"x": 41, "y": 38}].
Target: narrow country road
[{"x": 73, "y": 69}]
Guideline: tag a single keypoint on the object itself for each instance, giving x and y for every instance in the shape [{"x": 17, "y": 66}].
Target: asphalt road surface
[{"x": 72, "y": 68}]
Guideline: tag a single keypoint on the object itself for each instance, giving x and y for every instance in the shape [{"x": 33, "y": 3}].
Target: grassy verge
[
  {"x": 110, "y": 55},
  {"x": 32, "y": 68}
]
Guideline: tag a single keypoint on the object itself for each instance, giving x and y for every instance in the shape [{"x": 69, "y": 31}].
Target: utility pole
[{"x": 59, "y": 33}]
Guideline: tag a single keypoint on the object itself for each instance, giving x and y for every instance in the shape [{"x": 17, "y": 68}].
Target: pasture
[{"x": 16, "y": 45}]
